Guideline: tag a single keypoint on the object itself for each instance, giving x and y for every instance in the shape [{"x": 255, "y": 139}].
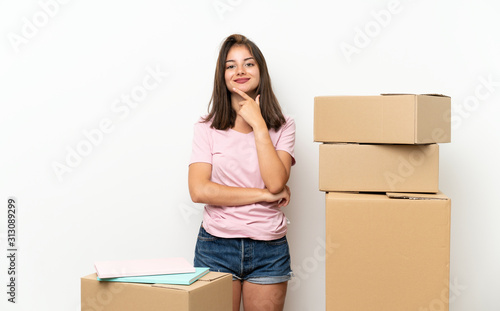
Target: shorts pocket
[
  {"x": 279, "y": 241},
  {"x": 203, "y": 235}
]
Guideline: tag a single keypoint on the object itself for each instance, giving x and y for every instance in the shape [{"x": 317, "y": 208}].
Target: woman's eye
[
  {"x": 230, "y": 67},
  {"x": 250, "y": 64}
]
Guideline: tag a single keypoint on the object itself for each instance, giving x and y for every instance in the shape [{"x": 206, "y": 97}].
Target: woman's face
[{"x": 242, "y": 71}]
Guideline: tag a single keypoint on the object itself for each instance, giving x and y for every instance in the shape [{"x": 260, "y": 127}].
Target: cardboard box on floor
[
  {"x": 212, "y": 292},
  {"x": 391, "y": 253},
  {"x": 390, "y": 119},
  {"x": 379, "y": 168}
]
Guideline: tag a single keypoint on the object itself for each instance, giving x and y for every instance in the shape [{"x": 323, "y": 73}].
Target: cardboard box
[
  {"x": 212, "y": 292},
  {"x": 390, "y": 119},
  {"x": 379, "y": 168},
  {"x": 391, "y": 253}
]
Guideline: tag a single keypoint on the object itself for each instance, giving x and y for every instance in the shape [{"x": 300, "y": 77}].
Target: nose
[{"x": 241, "y": 70}]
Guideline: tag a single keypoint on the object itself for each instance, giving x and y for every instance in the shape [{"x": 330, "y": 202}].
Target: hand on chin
[{"x": 243, "y": 88}]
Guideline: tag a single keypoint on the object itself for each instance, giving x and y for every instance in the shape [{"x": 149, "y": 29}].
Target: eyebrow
[{"x": 230, "y": 60}]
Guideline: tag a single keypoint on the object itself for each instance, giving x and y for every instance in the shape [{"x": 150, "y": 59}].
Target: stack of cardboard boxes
[{"x": 379, "y": 167}]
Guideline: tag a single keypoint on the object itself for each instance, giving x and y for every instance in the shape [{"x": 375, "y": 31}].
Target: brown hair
[{"x": 221, "y": 112}]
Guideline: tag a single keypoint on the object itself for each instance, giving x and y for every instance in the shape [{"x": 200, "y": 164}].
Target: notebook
[
  {"x": 176, "y": 279},
  {"x": 113, "y": 269}
]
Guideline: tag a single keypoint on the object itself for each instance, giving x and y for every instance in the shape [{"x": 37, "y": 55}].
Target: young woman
[{"x": 242, "y": 154}]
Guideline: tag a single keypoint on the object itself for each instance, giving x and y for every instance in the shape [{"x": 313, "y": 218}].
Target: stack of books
[{"x": 176, "y": 271}]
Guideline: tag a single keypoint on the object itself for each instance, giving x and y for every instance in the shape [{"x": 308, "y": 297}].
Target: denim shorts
[{"x": 259, "y": 262}]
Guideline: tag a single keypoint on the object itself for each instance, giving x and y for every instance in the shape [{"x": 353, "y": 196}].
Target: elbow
[
  {"x": 196, "y": 196},
  {"x": 195, "y": 199},
  {"x": 277, "y": 185},
  {"x": 201, "y": 193},
  {"x": 276, "y": 188}
]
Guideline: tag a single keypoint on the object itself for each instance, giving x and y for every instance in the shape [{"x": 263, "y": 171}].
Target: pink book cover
[{"x": 114, "y": 269}]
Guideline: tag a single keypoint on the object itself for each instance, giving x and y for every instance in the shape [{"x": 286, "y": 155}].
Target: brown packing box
[
  {"x": 392, "y": 254},
  {"x": 212, "y": 292},
  {"x": 379, "y": 168},
  {"x": 390, "y": 119}
]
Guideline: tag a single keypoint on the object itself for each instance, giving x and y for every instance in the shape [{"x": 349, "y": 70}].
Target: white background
[{"x": 62, "y": 72}]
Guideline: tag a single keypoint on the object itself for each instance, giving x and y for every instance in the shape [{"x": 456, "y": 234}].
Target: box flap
[
  {"x": 417, "y": 196},
  {"x": 209, "y": 277},
  {"x": 431, "y": 94},
  {"x": 92, "y": 276},
  {"x": 395, "y": 94},
  {"x": 438, "y": 95},
  {"x": 212, "y": 276},
  {"x": 178, "y": 287}
]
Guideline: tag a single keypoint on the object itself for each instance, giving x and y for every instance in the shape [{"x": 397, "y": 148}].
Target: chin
[{"x": 245, "y": 88}]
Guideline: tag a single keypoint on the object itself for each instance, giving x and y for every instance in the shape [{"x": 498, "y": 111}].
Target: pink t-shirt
[{"x": 233, "y": 156}]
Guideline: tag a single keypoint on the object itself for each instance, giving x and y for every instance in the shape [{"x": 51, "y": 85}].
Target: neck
[{"x": 240, "y": 125}]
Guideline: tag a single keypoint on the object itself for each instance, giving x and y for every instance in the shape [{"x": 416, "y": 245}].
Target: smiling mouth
[{"x": 241, "y": 80}]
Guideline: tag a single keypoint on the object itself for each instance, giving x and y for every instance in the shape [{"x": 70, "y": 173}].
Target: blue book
[{"x": 175, "y": 279}]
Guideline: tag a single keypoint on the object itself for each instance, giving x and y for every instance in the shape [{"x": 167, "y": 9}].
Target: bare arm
[
  {"x": 203, "y": 190},
  {"x": 274, "y": 165}
]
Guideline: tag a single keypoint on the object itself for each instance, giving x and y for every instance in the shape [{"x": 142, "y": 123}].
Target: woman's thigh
[{"x": 264, "y": 297}]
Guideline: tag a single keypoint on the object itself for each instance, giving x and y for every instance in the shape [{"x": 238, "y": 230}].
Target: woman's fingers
[
  {"x": 285, "y": 197},
  {"x": 249, "y": 109},
  {"x": 242, "y": 94}
]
